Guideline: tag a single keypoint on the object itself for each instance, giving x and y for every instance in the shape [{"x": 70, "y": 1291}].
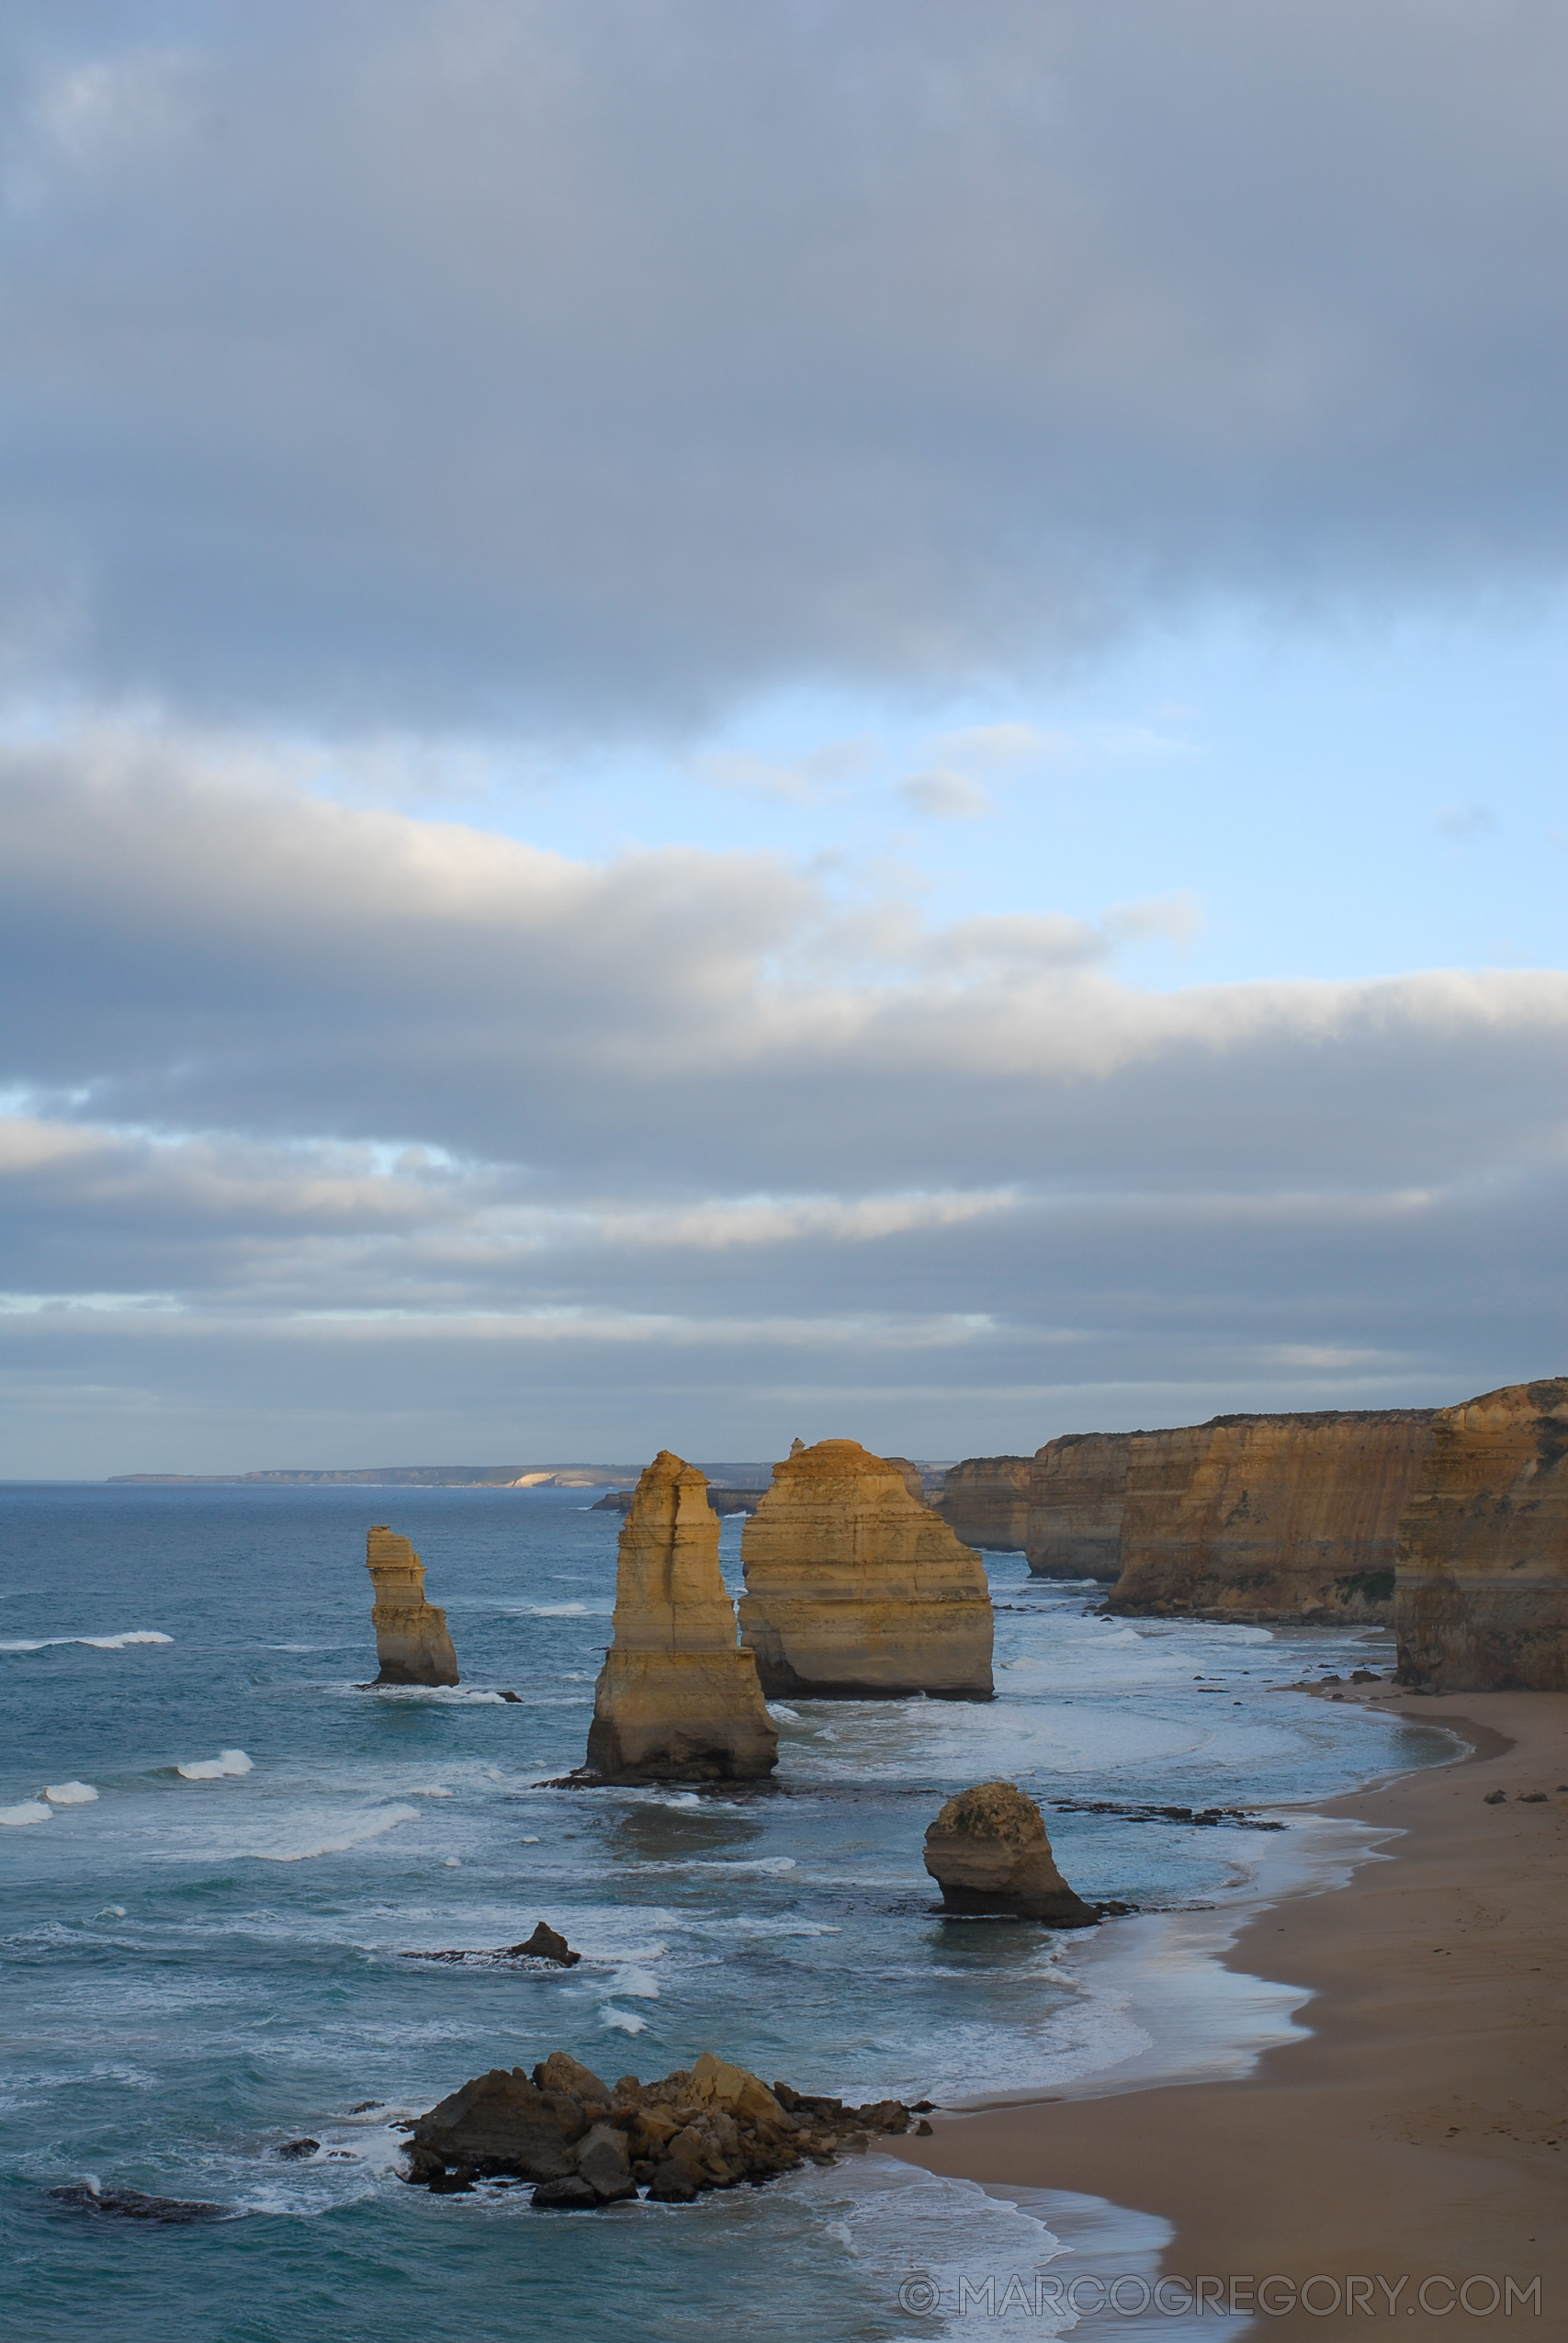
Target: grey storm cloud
[
  {"x": 499, "y": 359},
  {"x": 320, "y": 1121}
]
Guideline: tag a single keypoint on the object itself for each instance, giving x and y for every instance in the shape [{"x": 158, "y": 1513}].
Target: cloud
[
  {"x": 646, "y": 1149},
  {"x": 1459, "y": 823},
  {"x": 476, "y": 361},
  {"x": 945, "y": 796}
]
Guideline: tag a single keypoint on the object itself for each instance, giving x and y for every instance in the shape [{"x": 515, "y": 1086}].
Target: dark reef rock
[
  {"x": 545, "y": 1944},
  {"x": 129, "y": 2204},
  {"x": 296, "y": 2151},
  {"x": 584, "y": 2142}
]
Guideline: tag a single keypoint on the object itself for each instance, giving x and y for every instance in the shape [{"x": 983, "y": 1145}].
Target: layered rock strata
[
  {"x": 985, "y": 1501},
  {"x": 856, "y": 1590},
  {"x": 1077, "y": 1489},
  {"x": 1269, "y": 1517},
  {"x": 583, "y": 2142},
  {"x": 677, "y": 1700},
  {"x": 988, "y": 1853},
  {"x": 1482, "y": 1598},
  {"x": 411, "y": 1642}
]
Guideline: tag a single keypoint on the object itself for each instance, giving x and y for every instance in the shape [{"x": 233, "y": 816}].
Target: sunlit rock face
[
  {"x": 411, "y": 1642},
  {"x": 1482, "y": 1601},
  {"x": 988, "y": 1853},
  {"x": 985, "y": 1501},
  {"x": 677, "y": 1700},
  {"x": 1287, "y": 1517},
  {"x": 1078, "y": 1487},
  {"x": 856, "y": 1590}
]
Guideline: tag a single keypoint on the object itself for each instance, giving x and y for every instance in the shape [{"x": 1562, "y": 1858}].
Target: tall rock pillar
[
  {"x": 676, "y": 1700},
  {"x": 412, "y": 1641}
]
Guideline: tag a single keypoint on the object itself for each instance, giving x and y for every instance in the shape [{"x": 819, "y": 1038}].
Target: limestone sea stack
[
  {"x": 1078, "y": 1487},
  {"x": 857, "y": 1590},
  {"x": 1269, "y": 1517},
  {"x": 412, "y": 1641},
  {"x": 988, "y": 1853},
  {"x": 676, "y": 1699},
  {"x": 1481, "y": 1600},
  {"x": 985, "y": 1501}
]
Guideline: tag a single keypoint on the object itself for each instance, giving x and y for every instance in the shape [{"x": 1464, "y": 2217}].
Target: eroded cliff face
[
  {"x": 677, "y": 1700},
  {"x": 1481, "y": 1600},
  {"x": 1270, "y": 1517},
  {"x": 985, "y": 1502},
  {"x": 856, "y": 1590},
  {"x": 1078, "y": 1487},
  {"x": 411, "y": 1642}
]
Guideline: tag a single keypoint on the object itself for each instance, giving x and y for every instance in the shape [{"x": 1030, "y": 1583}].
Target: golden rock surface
[
  {"x": 985, "y": 1502},
  {"x": 411, "y": 1642},
  {"x": 987, "y": 1852},
  {"x": 1482, "y": 1598},
  {"x": 676, "y": 1700},
  {"x": 1270, "y": 1517},
  {"x": 857, "y": 1590}
]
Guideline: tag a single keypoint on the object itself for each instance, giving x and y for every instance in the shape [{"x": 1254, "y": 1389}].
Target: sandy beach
[{"x": 1407, "y": 2157}]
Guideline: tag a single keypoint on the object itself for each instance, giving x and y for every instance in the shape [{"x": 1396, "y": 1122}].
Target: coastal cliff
[
  {"x": 1481, "y": 1597},
  {"x": 985, "y": 1502},
  {"x": 1270, "y": 1517},
  {"x": 411, "y": 1642},
  {"x": 1076, "y": 1491},
  {"x": 677, "y": 1700},
  {"x": 856, "y": 1590}
]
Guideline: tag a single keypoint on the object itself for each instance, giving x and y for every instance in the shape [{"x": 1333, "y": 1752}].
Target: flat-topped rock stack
[
  {"x": 1270, "y": 1517},
  {"x": 1481, "y": 1600},
  {"x": 985, "y": 1502},
  {"x": 677, "y": 1700},
  {"x": 1077, "y": 1493},
  {"x": 856, "y": 1590},
  {"x": 411, "y": 1642},
  {"x": 988, "y": 1853}
]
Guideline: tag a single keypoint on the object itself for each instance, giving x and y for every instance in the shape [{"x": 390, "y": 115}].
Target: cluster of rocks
[{"x": 584, "y": 2142}]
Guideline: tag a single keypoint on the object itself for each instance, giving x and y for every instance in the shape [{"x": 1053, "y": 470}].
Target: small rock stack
[
  {"x": 585, "y": 2143},
  {"x": 988, "y": 1853}
]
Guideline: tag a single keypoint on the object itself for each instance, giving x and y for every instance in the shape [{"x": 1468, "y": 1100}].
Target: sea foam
[
  {"x": 213, "y": 1768},
  {"x": 33, "y": 1811},
  {"x": 352, "y": 1834},
  {"x": 94, "y": 1643},
  {"x": 70, "y": 1794}
]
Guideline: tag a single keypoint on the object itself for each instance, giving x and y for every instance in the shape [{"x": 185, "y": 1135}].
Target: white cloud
[{"x": 946, "y": 795}]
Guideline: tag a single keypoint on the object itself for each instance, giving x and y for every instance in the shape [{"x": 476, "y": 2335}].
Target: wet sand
[{"x": 1421, "y": 2130}]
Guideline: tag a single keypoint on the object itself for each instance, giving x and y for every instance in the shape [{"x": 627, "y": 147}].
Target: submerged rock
[
  {"x": 412, "y": 1641},
  {"x": 129, "y": 2204},
  {"x": 988, "y": 1853},
  {"x": 856, "y": 1590},
  {"x": 584, "y": 2144},
  {"x": 1482, "y": 1598},
  {"x": 296, "y": 2151},
  {"x": 677, "y": 1700}
]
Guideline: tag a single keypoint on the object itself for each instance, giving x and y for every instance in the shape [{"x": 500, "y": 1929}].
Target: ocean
[{"x": 210, "y": 1956}]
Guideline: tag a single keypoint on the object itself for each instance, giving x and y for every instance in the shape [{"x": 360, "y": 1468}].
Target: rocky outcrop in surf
[
  {"x": 412, "y": 1641},
  {"x": 677, "y": 1700},
  {"x": 985, "y": 1501},
  {"x": 1077, "y": 1491},
  {"x": 1269, "y": 1517},
  {"x": 1482, "y": 1598},
  {"x": 988, "y": 1853},
  {"x": 584, "y": 2142},
  {"x": 856, "y": 1590}
]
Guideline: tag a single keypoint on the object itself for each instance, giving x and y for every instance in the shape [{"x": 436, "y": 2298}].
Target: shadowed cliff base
[{"x": 1482, "y": 1601}]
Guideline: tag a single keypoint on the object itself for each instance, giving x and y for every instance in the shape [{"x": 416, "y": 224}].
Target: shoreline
[{"x": 1418, "y": 2128}]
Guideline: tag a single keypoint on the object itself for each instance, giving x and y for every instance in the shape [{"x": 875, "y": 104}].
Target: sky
[{"x": 724, "y": 723}]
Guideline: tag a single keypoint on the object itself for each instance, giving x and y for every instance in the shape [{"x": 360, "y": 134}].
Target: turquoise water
[{"x": 197, "y": 1969}]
